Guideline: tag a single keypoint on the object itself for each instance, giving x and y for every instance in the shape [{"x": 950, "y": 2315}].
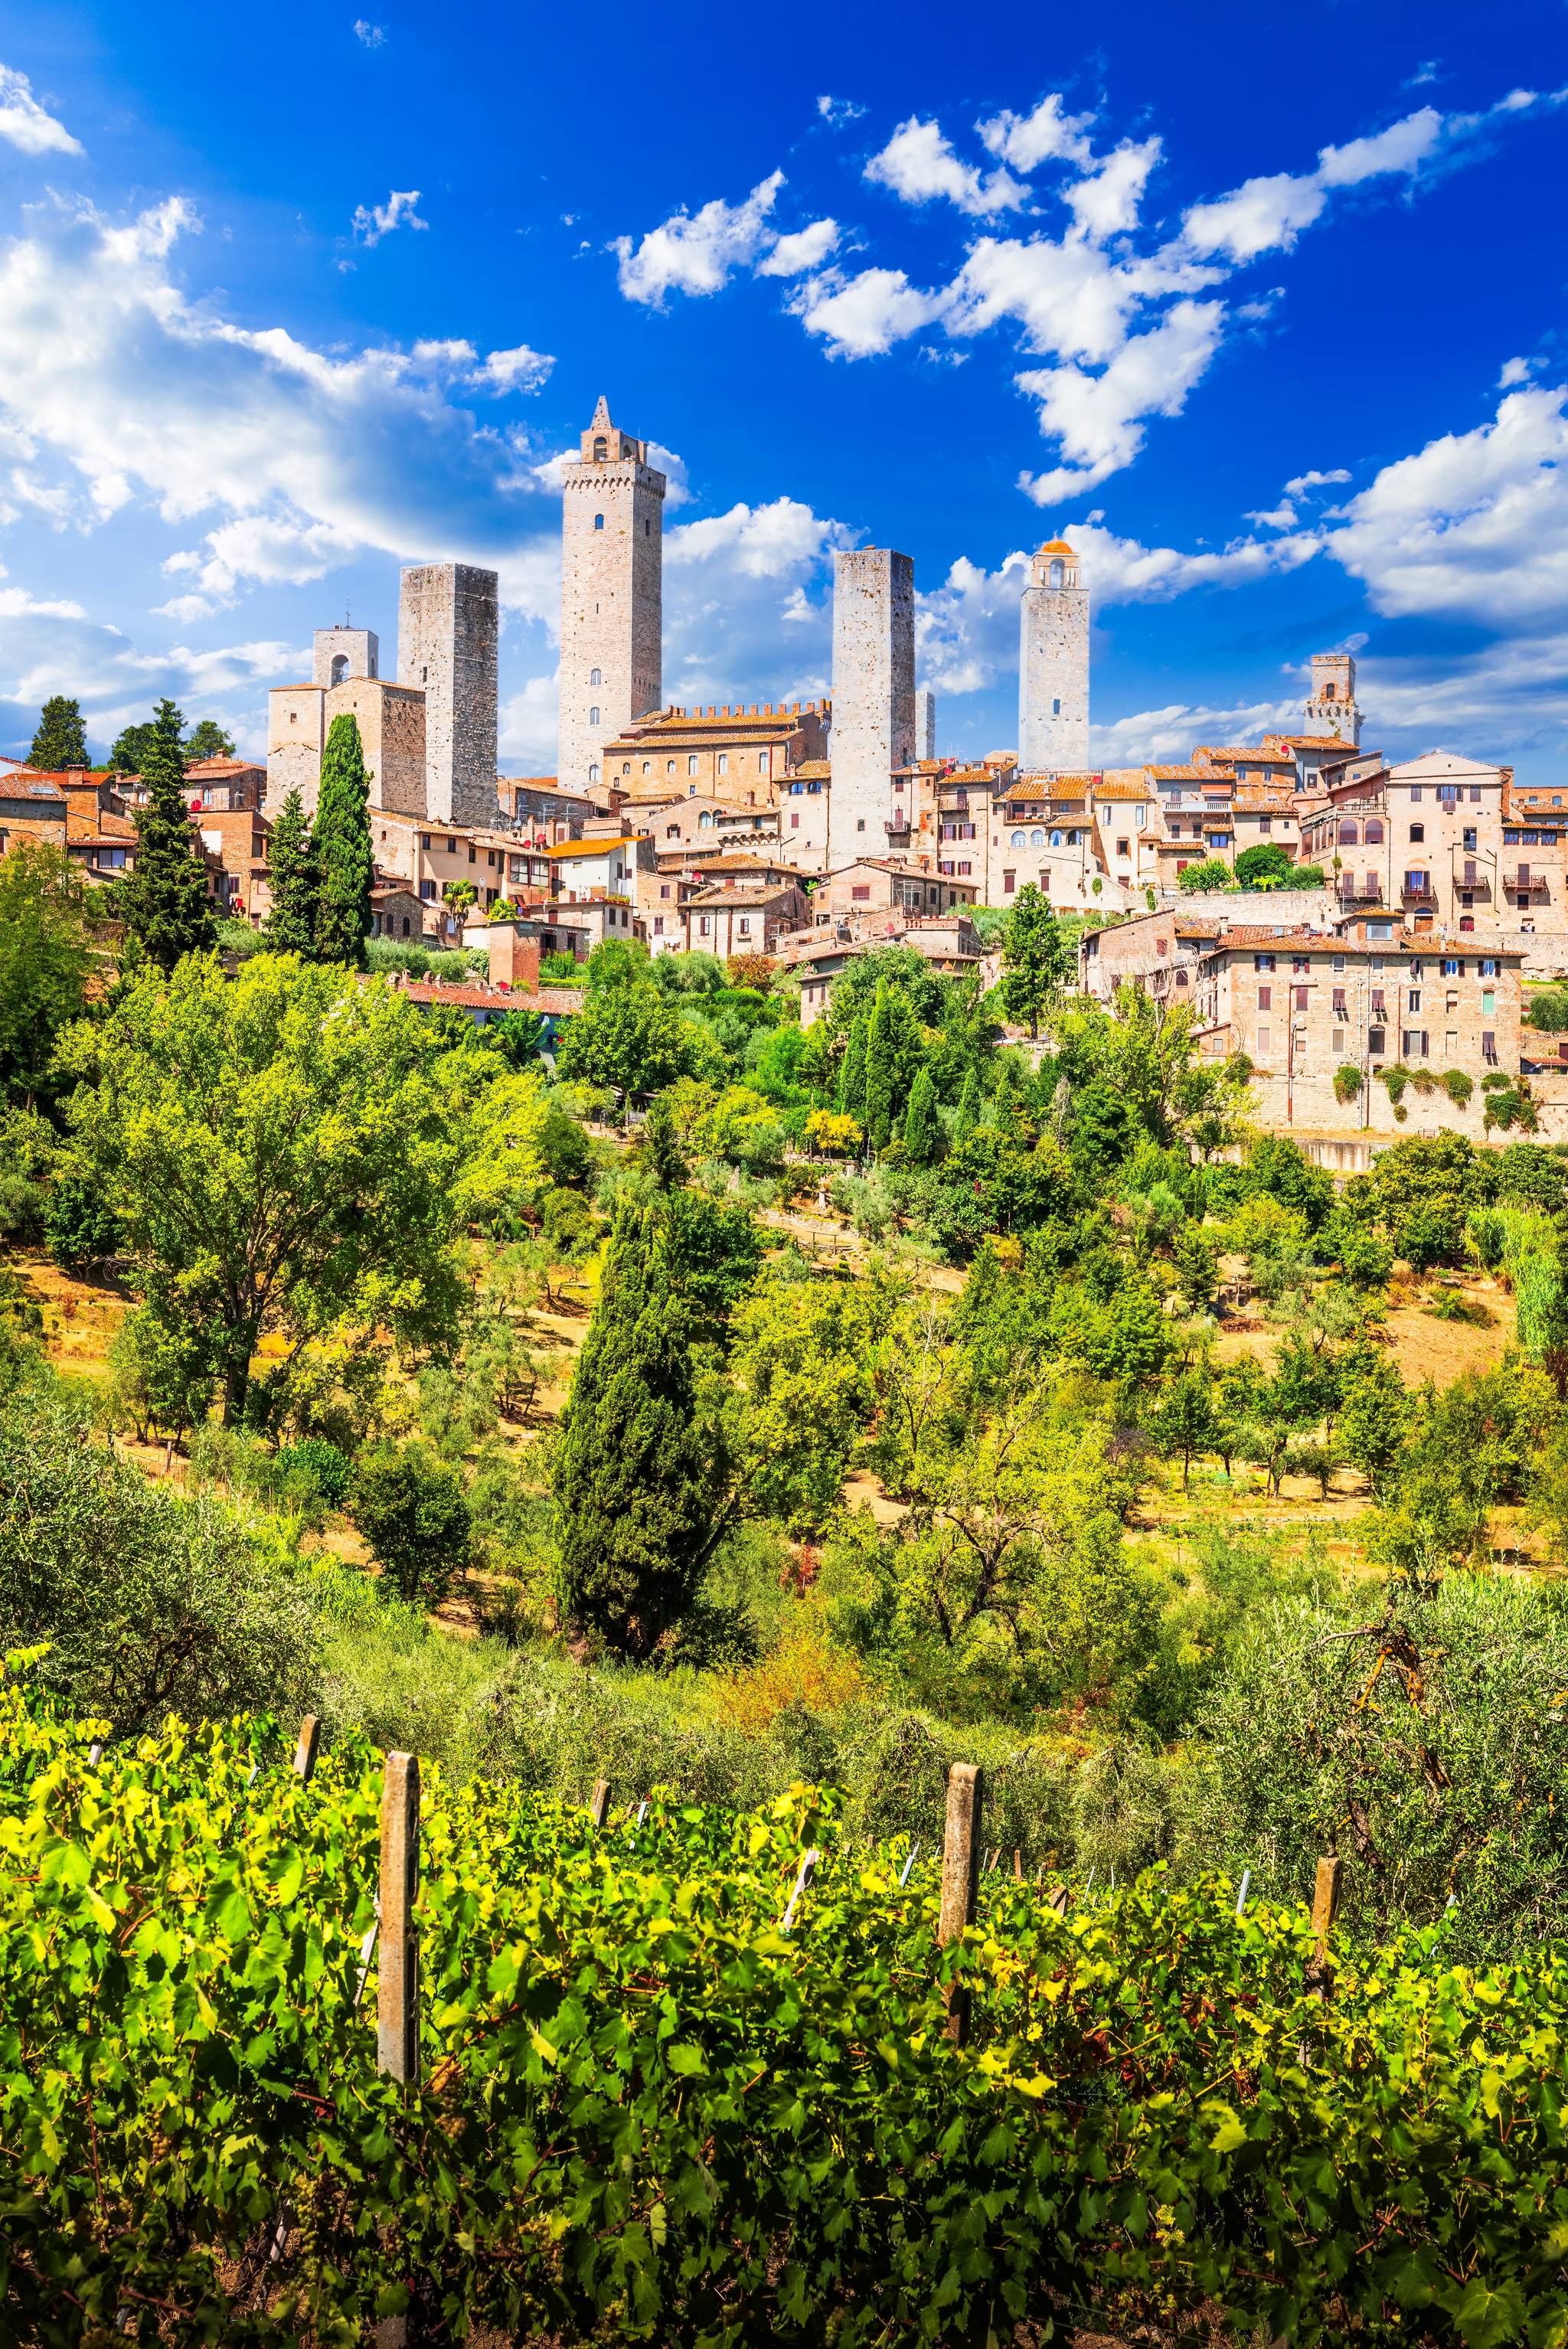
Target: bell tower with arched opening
[
  {"x": 1052, "y": 666},
  {"x": 612, "y": 594}
]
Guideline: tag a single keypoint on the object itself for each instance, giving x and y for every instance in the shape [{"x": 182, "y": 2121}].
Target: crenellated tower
[
  {"x": 1052, "y": 666},
  {"x": 612, "y": 596}
]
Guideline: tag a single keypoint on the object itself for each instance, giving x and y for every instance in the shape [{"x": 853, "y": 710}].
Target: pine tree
[
  {"x": 638, "y": 1465},
  {"x": 291, "y": 871},
  {"x": 164, "y": 899},
  {"x": 61, "y": 739},
  {"x": 967, "y": 1116},
  {"x": 922, "y": 1126},
  {"x": 852, "y": 1073},
  {"x": 345, "y": 860}
]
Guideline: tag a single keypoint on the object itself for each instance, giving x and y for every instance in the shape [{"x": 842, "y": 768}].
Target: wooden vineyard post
[
  {"x": 960, "y": 1879},
  {"x": 397, "y": 2012},
  {"x": 304, "y": 1752},
  {"x": 1325, "y": 1908},
  {"x": 1017, "y": 1865},
  {"x": 599, "y": 1803}
]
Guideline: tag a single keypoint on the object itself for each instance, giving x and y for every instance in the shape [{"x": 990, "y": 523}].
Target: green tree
[
  {"x": 207, "y": 740},
  {"x": 804, "y": 1363},
  {"x": 345, "y": 858},
  {"x": 291, "y": 926},
  {"x": 1264, "y": 865},
  {"x": 922, "y": 1126},
  {"x": 852, "y": 1073},
  {"x": 61, "y": 739},
  {"x": 1207, "y": 872},
  {"x": 1197, "y": 1261},
  {"x": 641, "y": 1465},
  {"x": 164, "y": 898},
  {"x": 894, "y": 1051},
  {"x": 1036, "y": 961},
  {"x": 411, "y": 1510},
  {"x": 135, "y": 744},
  {"x": 459, "y": 897},
  {"x": 45, "y": 959},
  {"x": 1186, "y": 1420},
  {"x": 967, "y": 1116},
  {"x": 284, "y": 1158},
  {"x": 628, "y": 1036}
]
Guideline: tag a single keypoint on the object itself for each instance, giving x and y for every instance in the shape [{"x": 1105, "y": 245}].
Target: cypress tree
[
  {"x": 968, "y": 1113},
  {"x": 291, "y": 870},
  {"x": 345, "y": 860},
  {"x": 852, "y": 1073},
  {"x": 881, "y": 1073},
  {"x": 61, "y": 739},
  {"x": 164, "y": 899},
  {"x": 638, "y": 1466},
  {"x": 922, "y": 1126}
]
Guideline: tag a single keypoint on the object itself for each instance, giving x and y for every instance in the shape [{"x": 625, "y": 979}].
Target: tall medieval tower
[
  {"x": 612, "y": 596},
  {"x": 1052, "y": 666},
  {"x": 1332, "y": 709},
  {"x": 449, "y": 622},
  {"x": 874, "y": 720}
]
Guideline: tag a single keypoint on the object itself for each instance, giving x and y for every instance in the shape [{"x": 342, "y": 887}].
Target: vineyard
[{"x": 672, "y": 2086}]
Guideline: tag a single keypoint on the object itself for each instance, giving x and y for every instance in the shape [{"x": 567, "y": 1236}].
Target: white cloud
[
  {"x": 732, "y": 583},
  {"x": 1315, "y": 480},
  {"x": 519, "y": 369},
  {"x": 372, "y": 35},
  {"x": 1257, "y": 217},
  {"x": 1513, "y": 371},
  {"x": 444, "y": 354},
  {"x": 1472, "y": 526},
  {"x": 859, "y": 317},
  {"x": 838, "y": 112},
  {"x": 1047, "y": 135},
  {"x": 1403, "y": 147},
  {"x": 16, "y": 602},
  {"x": 1106, "y": 203},
  {"x": 49, "y": 647},
  {"x": 1098, "y": 419},
  {"x": 25, "y": 124},
  {"x": 372, "y": 223},
  {"x": 116, "y": 385},
  {"x": 918, "y": 164},
  {"x": 527, "y": 727},
  {"x": 695, "y": 252},
  {"x": 1280, "y": 517},
  {"x": 806, "y": 249},
  {"x": 1168, "y": 735}
]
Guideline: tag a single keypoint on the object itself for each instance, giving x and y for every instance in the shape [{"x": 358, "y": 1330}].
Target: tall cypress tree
[
  {"x": 61, "y": 739},
  {"x": 637, "y": 1467},
  {"x": 968, "y": 1113},
  {"x": 164, "y": 899},
  {"x": 291, "y": 874},
  {"x": 922, "y": 1126},
  {"x": 881, "y": 1073},
  {"x": 853, "y": 1071},
  {"x": 344, "y": 859}
]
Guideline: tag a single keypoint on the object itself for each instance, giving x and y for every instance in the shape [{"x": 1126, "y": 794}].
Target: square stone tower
[
  {"x": 1052, "y": 666},
  {"x": 1332, "y": 707},
  {"x": 874, "y": 724},
  {"x": 345, "y": 652},
  {"x": 925, "y": 723},
  {"x": 612, "y": 596},
  {"x": 448, "y": 626}
]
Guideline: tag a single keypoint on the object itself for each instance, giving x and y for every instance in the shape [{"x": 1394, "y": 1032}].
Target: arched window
[
  {"x": 594, "y": 772},
  {"x": 1058, "y": 575},
  {"x": 1346, "y": 833},
  {"x": 339, "y": 667},
  {"x": 691, "y": 764},
  {"x": 1056, "y": 840},
  {"x": 705, "y": 821},
  {"x": 1374, "y": 833},
  {"x": 647, "y": 766},
  {"x": 594, "y": 715},
  {"x": 724, "y": 762},
  {"x": 594, "y": 678},
  {"x": 669, "y": 766},
  {"x": 762, "y": 761},
  {"x": 1036, "y": 839},
  {"x": 598, "y": 522},
  {"x": 601, "y": 447},
  {"x": 1018, "y": 840}
]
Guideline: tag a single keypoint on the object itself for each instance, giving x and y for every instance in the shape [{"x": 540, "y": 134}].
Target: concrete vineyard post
[
  {"x": 599, "y": 1803},
  {"x": 1325, "y": 1908},
  {"x": 305, "y": 1751},
  {"x": 960, "y": 1878}
]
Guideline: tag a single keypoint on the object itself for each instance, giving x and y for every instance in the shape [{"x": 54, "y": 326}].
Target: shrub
[
  {"x": 321, "y": 1464},
  {"x": 1547, "y": 1009},
  {"x": 1346, "y": 1083},
  {"x": 1457, "y": 1085},
  {"x": 559, "y": 970},
  {"x": 410, "y": 1508},
  {"x": 1395, "y": 1079},
  {"x": 79, "y": 1220}
]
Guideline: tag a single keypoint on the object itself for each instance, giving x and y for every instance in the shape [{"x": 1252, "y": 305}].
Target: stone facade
[
  {"x": 447, "y": 628},
  {"x": 1331, "y": 707},
  {"x": 345, "y": 652},
  {"x": 612, "y": 596},
  {"x": 1052, "y": 666},
  {"x": 392, "y": 720},
  {"x": 873, "y": 693},
  {"x": 295, "y": 734},
  {"x": 742, "y": 755},
  {"x": 925, "y": 723}
]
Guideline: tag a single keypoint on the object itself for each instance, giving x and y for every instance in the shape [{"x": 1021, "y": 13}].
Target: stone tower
[
  {"x": 448, "y": 624},
  {"x": 1331, "y": 708},
  {"x": 612, "y": 596},
  {"x": 925, "y": 723},
  {"x": 345, "y": 652},
  {"x": 1052, "y": 666},
  {"x": 874, "y": 728}
]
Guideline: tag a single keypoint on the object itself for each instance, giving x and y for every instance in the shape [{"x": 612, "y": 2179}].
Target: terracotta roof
[
  {"x": 1055, "y": 546},
  {"x": 216, "y": 767},
  {"x": 1322, "y": 742},
  {"x": 738, "y": 862},
  {"x": 1249, "y": 934},
  {"x": 565, "y": 850},
  {"x": 490, "y": 999},
  {"x": 25, "y": 785},
  {"x": 809, "y": 770},
  {"x": 1176, "y": 774},
  {"x": 1257, "y": 758},
  {"x": 706, "y": 897},
  {"x": 1264, "y": 799},
  {"x": 1118, "y": 791}
]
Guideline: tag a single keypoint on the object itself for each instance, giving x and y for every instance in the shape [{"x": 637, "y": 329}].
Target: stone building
[
  {"x": 1423, "y": 838},
  {"x": 344, "y": 652},
  {"x": 448, "y": 626},
  {"x": 743, "y": 917},
  {"x": 612, "y": 596},
  {"x": 925, "y": 723},
  {"x": 872, "y": 885},
  {"x": 873, "y": 693},
  {"x": 1331, "y": 708},
  {"x": 1052, "y": 666},
  {"x": 740, "y": 755}
]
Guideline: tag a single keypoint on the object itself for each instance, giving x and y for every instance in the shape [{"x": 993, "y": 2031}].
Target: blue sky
[{"x": 1265, "y": 309}]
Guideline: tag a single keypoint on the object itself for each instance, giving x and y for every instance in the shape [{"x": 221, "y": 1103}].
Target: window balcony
[{"x": 1417, "y": 889}]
